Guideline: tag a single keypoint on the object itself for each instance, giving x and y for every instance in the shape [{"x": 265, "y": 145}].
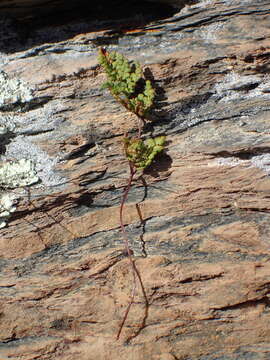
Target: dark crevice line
[
  {"x": 201, "y": 278},
  {"x": 263, "y": 300},
  {"x": 209, "y": 19},
  {"x": 245, "y": 154}
]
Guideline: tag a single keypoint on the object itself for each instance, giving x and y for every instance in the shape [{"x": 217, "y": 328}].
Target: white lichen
[
  {"x": 17, "y": 174},
  {"x": 6, "y": 124},
  {"x": 235, "y": 87},
  {"x": 210, "y": 33},
  {"x": 13, "y": 91},
  {"x": 7, "y": 206},
  {"x": 22, "y": 148},
  {"x": 261, "y": 162},
  {"x": 197, "y": 5},
  {"x": 12, "y": 175},
  {"x": 32, "y": 164}
]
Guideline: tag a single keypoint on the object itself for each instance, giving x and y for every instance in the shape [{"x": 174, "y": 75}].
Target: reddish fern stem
[
  {"x": 124, "y": 198},
  {"x": 135, "y": 271}
]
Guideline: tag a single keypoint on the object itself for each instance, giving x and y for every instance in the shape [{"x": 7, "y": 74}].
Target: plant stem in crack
[{"x": 135, "y": 271}]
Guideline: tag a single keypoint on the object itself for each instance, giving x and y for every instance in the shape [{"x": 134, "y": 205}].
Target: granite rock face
[{"x": 203, "y": 250}]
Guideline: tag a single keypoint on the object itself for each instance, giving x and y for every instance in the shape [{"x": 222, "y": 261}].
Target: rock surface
[{"x": 203, "y": 250}]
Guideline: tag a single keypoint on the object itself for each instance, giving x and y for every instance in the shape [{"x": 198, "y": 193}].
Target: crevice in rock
[
  {"x": 80, "y": 151},
  {"x": 249, "y": 303},
  {"x": 22, "y": 107},
  {"x": 14, "y": 341},
  {"x": 62, "y": 324},
  {"x": 5, "y": 139},
  {"x": 244, "y": 154},
  {"x": 26, "y": 27},
  {"x": 201, "y": 277}
]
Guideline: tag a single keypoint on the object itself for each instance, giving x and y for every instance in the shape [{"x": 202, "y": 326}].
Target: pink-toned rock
[{"x": 65, "y": 278}]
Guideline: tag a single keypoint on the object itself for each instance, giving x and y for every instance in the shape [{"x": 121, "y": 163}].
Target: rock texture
[{"x": 203, "y": 250}]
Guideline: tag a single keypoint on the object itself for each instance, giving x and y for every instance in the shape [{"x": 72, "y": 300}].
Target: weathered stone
[{"x": 65, "y": 279}]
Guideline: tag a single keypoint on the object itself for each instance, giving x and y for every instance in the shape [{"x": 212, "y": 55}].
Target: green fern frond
[
  {"x": 141, "y": 153},
  {"x": 126, "y": 82}
]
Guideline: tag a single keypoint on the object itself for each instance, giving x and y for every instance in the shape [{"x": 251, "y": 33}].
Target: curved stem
[
  {"x": 128, "y": 250},
  {"x": 135, "y": 271},
  {"x": 124, "y": 198}
]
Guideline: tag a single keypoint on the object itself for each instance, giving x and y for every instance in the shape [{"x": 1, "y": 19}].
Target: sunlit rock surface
[{"x": 203, "y": 252}]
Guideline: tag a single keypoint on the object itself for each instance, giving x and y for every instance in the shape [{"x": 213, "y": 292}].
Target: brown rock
[{"x": 65, "y": 279}]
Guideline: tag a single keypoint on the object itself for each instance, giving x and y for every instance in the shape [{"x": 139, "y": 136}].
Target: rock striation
[{"x": 203, "y": 249}]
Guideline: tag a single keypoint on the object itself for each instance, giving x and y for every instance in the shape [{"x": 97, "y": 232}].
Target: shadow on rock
[{"x": 24, "y": 27}]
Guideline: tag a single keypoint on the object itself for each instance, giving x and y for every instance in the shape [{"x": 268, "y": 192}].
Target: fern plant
[{"x": 127, "y": 84}]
